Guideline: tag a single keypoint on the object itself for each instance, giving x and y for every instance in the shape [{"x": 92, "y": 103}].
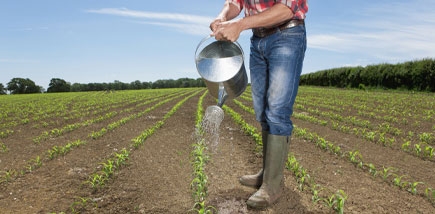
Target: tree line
[
  {"x": 413, "y": 75},
  {"x": 27, "y": 86}
]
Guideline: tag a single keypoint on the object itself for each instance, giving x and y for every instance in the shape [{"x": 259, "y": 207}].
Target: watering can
[{"x": 221, "y": 66}]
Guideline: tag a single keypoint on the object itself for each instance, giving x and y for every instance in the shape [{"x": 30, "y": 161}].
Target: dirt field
[{"x": 157, "y": 176}]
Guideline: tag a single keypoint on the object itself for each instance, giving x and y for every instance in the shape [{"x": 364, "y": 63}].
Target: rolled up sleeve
[
  {"x": 298, "y": 7},
  {"x": 292, "y": 4},
  {"x": 237, "y": 3}
]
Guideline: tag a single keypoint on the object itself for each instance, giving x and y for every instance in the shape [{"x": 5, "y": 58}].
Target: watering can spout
[{"x": 222, "y": 96}]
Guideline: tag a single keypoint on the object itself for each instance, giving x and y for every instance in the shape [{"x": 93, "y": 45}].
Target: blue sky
[{"x": 105, "y": 40}]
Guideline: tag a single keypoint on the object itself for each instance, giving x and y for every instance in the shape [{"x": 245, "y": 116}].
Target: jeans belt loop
[{"x": 263, "y": 32}]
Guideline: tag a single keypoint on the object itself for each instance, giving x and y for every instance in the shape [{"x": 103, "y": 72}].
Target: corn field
[{"x": 144, "y": 151}]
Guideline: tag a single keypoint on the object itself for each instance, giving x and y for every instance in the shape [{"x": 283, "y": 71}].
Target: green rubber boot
[
  {"x": 273, "y": 179},
  {"x": 257, "y": 179}
]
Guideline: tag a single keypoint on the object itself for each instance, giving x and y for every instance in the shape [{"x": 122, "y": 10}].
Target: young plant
[
  {"x": 417, "y": 149},
  {"x": 372, "y": 170},
  {"x": 7, "y": 175},
  {"x": 121, "y": 158},
  {"x": 428, "y": 151},
  {"x": 200, "y": 208},
  {"x": 387, "y": 172},
  {"x": 341, "y": 198},
  {"x": 405, "y": 146},
  {"x": 77, "y": 206},
  {"x": 397, "y": 181},
  {"x": 330, "y": 201},
  {"x": 413, "y": 187},
  {"x": 107, "y": 168},
  {"x": 3, "y": 147},
  {"x": 355, "y": 157},
  {"x": 316, "y": 189}
]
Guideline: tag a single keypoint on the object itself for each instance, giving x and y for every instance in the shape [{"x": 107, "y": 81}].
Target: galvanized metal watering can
[{"x": 221, "y": 65}]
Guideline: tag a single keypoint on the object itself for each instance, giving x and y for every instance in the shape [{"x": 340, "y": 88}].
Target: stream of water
[{"x": 210, "y": 125}]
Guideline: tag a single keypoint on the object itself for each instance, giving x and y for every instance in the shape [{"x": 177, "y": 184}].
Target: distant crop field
[{"x": 141, "y": 151}]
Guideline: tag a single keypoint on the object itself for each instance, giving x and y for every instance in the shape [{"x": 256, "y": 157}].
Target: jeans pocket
[{"x": 294, "y": 31}]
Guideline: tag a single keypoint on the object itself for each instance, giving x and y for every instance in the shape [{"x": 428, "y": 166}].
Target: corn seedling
[
  {"x": 3, "y": 147},
  {"x": 107, "y": 168},
  {"x": 330, "y": 201},
  {"x": 387, "y": 172},
  {"x": 316, "y": 189},
  {"x": 121, "y": 158},
  {"x": 95, "y": 181},
  {"x": 425, "y": 137},
  {"x": 33, "y": 164},
  {"x": 7, "y": 175},
  {"x": 200, "y": 208},
  {"x": 397, "y": 181},
  {"x": 341, "y": 197},
  {"x": 413, "y": 187},
  {"x": 417, "y": 149},
  {"x": 428, "y": 151},
  {"x": 355, "y": 157},
  {"x": 77, "y": 206},
  {"x": 372, "y": 170},
  {"x": 405, "y": 146}
]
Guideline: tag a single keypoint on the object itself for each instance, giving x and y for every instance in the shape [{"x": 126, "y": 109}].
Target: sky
[{"x": 85, "y": 41}]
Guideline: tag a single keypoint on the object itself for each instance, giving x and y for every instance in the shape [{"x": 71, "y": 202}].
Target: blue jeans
[{"x": 276, "y": 65}]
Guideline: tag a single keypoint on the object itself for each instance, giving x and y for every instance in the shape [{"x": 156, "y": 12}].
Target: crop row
[{"x": 199, "y": 183}]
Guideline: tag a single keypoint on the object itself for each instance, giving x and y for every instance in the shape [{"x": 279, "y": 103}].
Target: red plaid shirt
[{"x": 299, "y": 7}]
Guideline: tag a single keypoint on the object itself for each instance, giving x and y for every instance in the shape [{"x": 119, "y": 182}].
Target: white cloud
[
  {"x": 194, "y": 29},
  {"x": 29, "y": 29},
  {"x": 385, "y": 34},
  {"x": 6, "y": 60},
  {"x": 184, "y": 23},
  {"x": 179, "y": 17}
]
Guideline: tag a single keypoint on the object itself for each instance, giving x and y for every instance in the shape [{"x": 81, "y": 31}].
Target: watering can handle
[{"x": 208, "y": 37}]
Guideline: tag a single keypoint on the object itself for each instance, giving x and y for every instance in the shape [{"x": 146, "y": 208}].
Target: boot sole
[
  {"x": 249, "y": 185},
  {"x": 256, "y": 206}
]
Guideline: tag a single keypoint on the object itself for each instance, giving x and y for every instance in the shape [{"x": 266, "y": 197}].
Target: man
[{"x": 278, "y": 47}]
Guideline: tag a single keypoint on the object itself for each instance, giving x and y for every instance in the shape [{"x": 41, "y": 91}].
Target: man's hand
[
  {"x": 215, "y": 23},
  {"x": 228, "y": 31}
]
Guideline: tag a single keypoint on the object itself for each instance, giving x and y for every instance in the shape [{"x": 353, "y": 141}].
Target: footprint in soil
[
  {"x": 231, "y": 201},
  {"x": 232, "y": 206}
]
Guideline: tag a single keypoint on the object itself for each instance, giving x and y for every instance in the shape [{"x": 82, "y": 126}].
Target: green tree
[
  {"x": 2, "y": 89},
  {"x": 23, "y": 86},
  {"x": 58, "y": 85}
]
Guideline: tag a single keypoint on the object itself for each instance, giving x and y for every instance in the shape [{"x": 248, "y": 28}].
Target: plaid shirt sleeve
[
  {"x": 299, "y": 7},
  {"x": 237, "y": 3}
]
